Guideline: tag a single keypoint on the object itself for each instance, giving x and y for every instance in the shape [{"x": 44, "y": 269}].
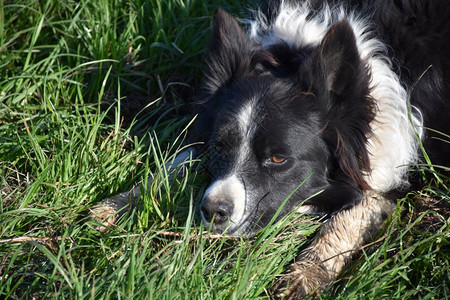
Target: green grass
[{"x": 91, "y": 102}]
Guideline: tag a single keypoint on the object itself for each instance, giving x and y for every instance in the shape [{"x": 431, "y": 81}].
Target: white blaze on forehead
[
  {"x": 244, "y": 117},
  {"x": 229, "y": 189},
  {"x": 246, "y": 128}
]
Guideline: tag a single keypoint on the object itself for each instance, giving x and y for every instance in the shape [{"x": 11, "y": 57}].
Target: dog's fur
[{"x": 323, "y": 103}]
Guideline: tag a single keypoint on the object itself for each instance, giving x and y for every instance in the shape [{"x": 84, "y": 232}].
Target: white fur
[
  {"x": 393, "y": 146},
  {"x": 244, "y": 121},
  {"x": 230, "y": 188},
  {"x": 306, "y": 209}
]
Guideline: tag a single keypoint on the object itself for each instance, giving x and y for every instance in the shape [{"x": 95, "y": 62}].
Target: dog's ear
[
  {"x": 335, "y": 67},
  {"x": 340, "y": 59},
  {"x": 340, "y": 80},
  {"x": 229, "y": 52}
]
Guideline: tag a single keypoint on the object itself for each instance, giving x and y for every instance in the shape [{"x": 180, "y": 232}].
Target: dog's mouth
[{"x": 224, "y": 225}]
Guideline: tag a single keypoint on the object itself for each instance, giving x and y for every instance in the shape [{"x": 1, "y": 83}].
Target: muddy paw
[
  {"x": 303, "y": 278},
  {"x": 109, "y": 210}
]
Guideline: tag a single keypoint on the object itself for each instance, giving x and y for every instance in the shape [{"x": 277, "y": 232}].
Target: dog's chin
[
  {"x": 240, "y": 231},
  {"x": 245, "y": 230}
]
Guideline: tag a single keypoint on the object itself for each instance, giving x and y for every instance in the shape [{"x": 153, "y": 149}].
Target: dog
[{"x": 321, "y": 107}]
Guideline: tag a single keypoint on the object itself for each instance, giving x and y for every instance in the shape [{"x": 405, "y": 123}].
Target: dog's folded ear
[
  {"x": 229, "y": 52},
  {"x": 339, "y": 78}
]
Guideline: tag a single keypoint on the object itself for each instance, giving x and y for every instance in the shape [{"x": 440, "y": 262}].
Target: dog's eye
[
  {"x": 277, "y": 159},
  {"x": 218, "y": 148}
]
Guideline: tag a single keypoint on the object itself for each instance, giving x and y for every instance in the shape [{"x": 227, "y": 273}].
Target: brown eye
[
  {"x": 277, "y": 159},
  {"x": 218, "y": 148}
]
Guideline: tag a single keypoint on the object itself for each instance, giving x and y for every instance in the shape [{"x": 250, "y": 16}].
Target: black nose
[{"x": 219, "y": 211}]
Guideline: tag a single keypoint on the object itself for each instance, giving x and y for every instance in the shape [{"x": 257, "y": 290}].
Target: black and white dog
[{"x": 324, "y": 98}]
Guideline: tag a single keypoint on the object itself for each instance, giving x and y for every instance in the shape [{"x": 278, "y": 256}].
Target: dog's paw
[
  {"x": 304, "y": 278},
  {"x": 108, "y": 211}
]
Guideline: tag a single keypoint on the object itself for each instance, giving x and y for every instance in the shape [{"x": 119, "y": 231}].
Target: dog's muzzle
[{"x": 223, "y": 204}]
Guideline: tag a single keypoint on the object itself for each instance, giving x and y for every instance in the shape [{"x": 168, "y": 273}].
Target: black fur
[{"x": 313, "y": 108}]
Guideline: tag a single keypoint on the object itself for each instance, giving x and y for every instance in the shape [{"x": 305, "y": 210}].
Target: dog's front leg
[
  {"x": 333, "y": 247},
  {"x": 109, "y": 210}
]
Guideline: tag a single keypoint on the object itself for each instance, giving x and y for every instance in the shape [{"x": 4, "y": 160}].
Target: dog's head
[{"x": 282, "y": 124}]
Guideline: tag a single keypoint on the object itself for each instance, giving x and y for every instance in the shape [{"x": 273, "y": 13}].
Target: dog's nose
[{"x": 219, "y": 211}]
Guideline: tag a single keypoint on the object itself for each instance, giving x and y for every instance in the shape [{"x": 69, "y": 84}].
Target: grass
[{"x": 91, "y": 102}]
